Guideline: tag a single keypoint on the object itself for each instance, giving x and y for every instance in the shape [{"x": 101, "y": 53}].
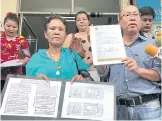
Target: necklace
[{"x": 57, "y": 65}]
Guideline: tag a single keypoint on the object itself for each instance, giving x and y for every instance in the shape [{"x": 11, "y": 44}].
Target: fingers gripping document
[{"x": 107, "y": 44}]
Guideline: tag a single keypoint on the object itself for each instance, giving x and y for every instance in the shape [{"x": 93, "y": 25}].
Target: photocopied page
[
  {"x": 89, "y": 101},
  {"x": 31, "y": 97},
  {"x": 107, "y": 44},
  {"x": 11, "y": 63}
]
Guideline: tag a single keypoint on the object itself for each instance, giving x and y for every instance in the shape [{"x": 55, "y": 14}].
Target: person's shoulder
[
  {"x": 66, "y": 50},
  {"x": 70, "y": 35},
  {"x": 146, "y": 39},
  {"x": 40, "y": 53},
  {"x": 21, "y": 37},
  {"x": 150, "y": 40},
  {"x": 2, "y": 35}
]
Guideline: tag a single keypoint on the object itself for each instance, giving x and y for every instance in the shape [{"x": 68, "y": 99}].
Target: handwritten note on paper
[
  {"x": 11, "y": 63},
  {"x": 107, "y": 44},
  {"x": 89, "y": 101},
  {"x": 29, "y": 97}
]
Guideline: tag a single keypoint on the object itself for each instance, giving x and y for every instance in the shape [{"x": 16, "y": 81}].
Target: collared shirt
[
  {"x": 128, "y": 84},
  {"x": 40, "y": 63}
]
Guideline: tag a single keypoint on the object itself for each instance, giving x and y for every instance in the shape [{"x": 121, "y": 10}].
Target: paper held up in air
[
  {"x": 11, "y": 63},
  {"x": 107, "y": 44}
]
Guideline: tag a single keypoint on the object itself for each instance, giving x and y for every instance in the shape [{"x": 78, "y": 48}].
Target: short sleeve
[{"x": 34, "y": 66}]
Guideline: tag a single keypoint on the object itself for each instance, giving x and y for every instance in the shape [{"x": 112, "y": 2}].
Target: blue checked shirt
[{"x": 129, "y": 84}]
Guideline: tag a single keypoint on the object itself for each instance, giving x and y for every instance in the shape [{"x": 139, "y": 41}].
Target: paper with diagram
[
  {"x": 107, "y": 44},
  {"x": 88, "y": 101}
]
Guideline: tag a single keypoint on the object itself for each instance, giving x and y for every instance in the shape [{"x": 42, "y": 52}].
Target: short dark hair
[
  {"x": 51, "y": 17},
  {"x": 11, "y": 16},
  {"x": 147, "y": 11},
  {"x": 82, "y": 12}
]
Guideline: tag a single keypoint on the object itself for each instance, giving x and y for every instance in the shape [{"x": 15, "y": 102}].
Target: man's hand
[
  {"x": 76, "y": 78},
  {"x": 131, "y": 64}
]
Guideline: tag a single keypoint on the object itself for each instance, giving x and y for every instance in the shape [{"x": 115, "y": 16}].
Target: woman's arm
[
  {"x": 88, "y": 61},
  {"x": 25, "y": 50}
]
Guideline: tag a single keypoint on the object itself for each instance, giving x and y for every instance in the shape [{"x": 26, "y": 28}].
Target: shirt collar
[{"x": 141, "y": 38}]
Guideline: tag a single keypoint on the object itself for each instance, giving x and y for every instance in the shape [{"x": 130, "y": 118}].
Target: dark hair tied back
[{"x": 11, "y": 16}]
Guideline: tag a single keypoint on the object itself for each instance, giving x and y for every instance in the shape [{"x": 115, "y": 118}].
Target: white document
[
  {"x": 94, "y": 75},
  {"x": 11, "y": 63},
  {"x": 107, "y": 44},
  {"x": 29, "y": 97},
  {"x": 89, "y": 101}
]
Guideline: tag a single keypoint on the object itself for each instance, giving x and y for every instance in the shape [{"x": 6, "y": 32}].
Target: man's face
[
  {"x": 146, "y": 23},
  {"x": 130, "y": 20}
]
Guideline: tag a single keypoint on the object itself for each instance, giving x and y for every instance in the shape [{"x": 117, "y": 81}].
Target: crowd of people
[{"x": 137, "y": 94}]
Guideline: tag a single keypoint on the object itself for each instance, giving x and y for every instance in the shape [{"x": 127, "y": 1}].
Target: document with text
[
  {"x": 89, "y": 101},
  {"x": 10, "y": 63},
  {"x": 107, "y": 44},
  {"x": 31, "y": 97}
]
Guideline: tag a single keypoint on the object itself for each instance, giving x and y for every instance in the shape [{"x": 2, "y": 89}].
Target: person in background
[
  {"x": 13, "y": 47},
  {"x": 83, "y": 23},
  {"x": 56, "y": 62},
  {"x": 147, "y": 16},
  {"x": 136, "y": 92}
]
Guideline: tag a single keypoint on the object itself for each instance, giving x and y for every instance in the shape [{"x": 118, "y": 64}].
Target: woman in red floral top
[{"x": 13, "y": 46}]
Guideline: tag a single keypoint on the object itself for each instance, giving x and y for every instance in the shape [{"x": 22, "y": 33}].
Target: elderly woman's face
[{"x": 56, "y": 32}]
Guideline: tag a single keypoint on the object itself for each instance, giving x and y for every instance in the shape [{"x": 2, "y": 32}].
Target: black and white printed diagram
[
  {"x": 94, "y": 93},
  {"x": 93, "y": 109},
  {"x": 76, "y": 92},
  {"x": 74, "y": 108}
]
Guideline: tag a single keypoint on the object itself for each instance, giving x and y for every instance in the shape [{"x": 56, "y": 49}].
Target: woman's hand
[
  {"x": 88, "y": 61},
  {"x": 42, "y": 76},
  {"x": 88, "y": 29},
  {"x": 77, "y": 77},
  {"x": 23, "y": 61}
]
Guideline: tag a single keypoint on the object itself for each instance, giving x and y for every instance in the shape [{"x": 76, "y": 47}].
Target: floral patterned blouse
[{"x": 11, "y": 50}]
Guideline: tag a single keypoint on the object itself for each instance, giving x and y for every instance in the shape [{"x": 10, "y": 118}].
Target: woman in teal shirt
[{"x": 55, "y": 62}]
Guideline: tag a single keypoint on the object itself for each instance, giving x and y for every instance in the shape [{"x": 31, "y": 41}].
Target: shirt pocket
[{"x": 144, "y": 61}]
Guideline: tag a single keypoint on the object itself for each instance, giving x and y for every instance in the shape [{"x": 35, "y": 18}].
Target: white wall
[{"x": 7, "y": 6}]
